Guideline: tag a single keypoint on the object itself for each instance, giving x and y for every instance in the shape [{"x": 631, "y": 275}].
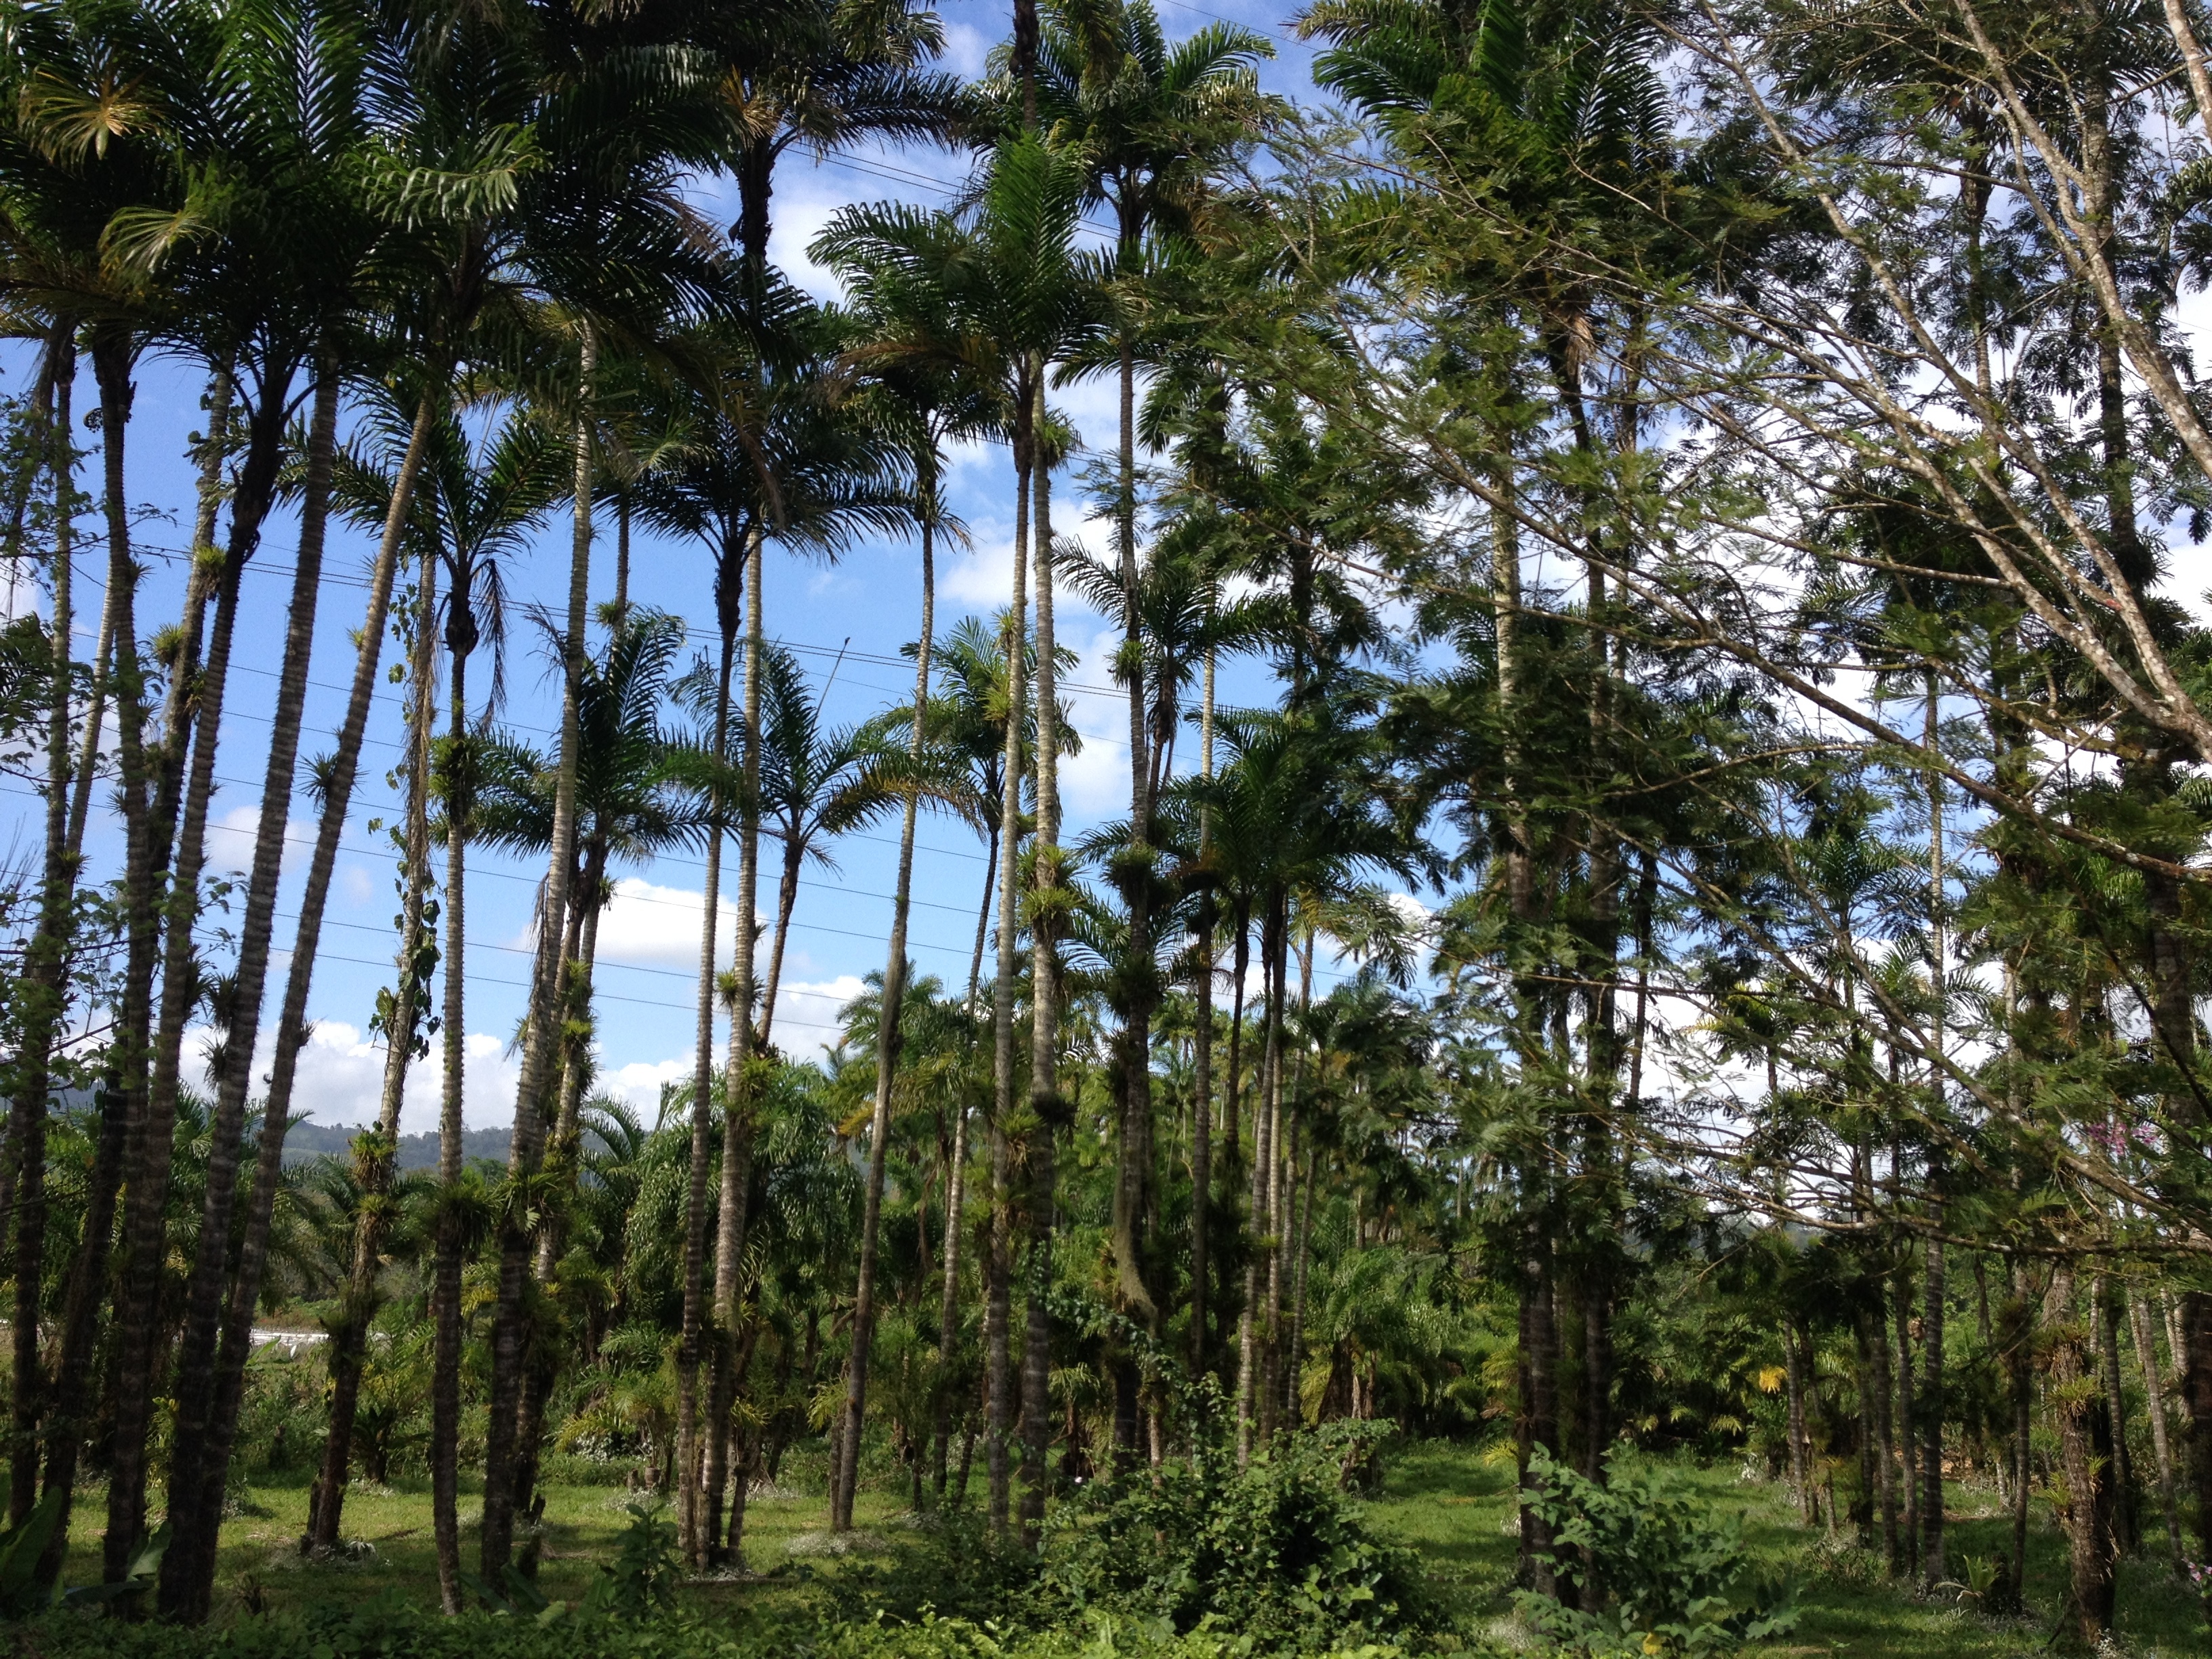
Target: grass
[
  {"x": 1455, "y": 1506},
  {"x": 1452, "y": 1503}
]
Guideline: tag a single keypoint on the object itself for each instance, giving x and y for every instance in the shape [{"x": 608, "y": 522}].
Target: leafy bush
[
  {"x": 1278, "y": 1554},
  {"x": 1657, "y": 1570},
  {"x": 1278, "y": 1551}
]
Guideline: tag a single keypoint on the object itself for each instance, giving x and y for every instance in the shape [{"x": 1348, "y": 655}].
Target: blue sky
[{"x": 864, "y": 608}]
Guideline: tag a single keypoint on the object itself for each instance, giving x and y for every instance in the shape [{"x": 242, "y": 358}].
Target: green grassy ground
[
  {"x": 1451, "y": 1503},
  {"x": 1455, "y": 1508}
]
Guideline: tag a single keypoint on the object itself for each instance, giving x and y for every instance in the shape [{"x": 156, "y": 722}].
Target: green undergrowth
[{"x": 1206, "y": 1564}]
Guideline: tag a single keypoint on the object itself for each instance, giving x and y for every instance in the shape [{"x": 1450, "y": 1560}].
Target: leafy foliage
[{"x": 1656, "y": 1570}]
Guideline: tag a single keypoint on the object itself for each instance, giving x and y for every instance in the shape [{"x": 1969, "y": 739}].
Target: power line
[{"x": 690, "y": 631}]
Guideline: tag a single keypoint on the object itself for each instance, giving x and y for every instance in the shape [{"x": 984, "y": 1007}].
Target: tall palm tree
[
  {"x": 626, "y": 809},
  {"x": 772, "y": 454},
  {"x": 364, "y": 492},
  {"x": 1041, "y": 299},
  {"x": 815, "y": 785},
  {"x": 902, "y": 269},
  {"x": 1156, "y": 125},
  {"x": 472, "y": 504},
  {"x": 487, "y": 502}
]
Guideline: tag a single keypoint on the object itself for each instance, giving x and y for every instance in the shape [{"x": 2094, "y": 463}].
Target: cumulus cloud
[
  {"x": 341, "y": 1079},
  {"x": 640, "y": 1081},
  {"x": 806, "y": 1010},
  {"x": 658, "y": 925}
]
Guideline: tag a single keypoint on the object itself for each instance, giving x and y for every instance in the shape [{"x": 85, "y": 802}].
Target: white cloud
[
  {"x": 806, "y": 1011},
  {"x": 640, "y": 1082},
  {"x": 340, "y": 1079},
  {"x": 1096, "y": 779},
  {"x": 650, "y": 924},
  {"x": 985, "y": 576}
]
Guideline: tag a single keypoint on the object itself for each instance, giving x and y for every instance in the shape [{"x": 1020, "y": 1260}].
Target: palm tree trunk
[
  {"x": 2105, "y": 1331},
  {"x": 581, "y": 949},
  {"x": 510, "y": 1337},
  {"x": 1282, "y": 1198},
  {"x": 1908, "y": 1419},
  {"x": 373, "y": 1154},
  {"x": 123, "y": 1111},
  {"x": 445, "y": 1274},
  {"x": 237, "y": 1332},
  {"x": 1800, "y": 1471},
  {"x": 1932, "y": 1567},
  {"x": 998, "y": 1314},
  {"x": 1233, "y": 1108},
  {"x": 787, "y": 901},
  {"x": 1300, "y": 1249},
  {"x": 2018, "y": 1325},
  {"x": 41, "y": 995},
  {"x": 1133, "y": 1174},
  {"x": 249, "y": 504},
  {"x": 948, "y": 1307},
  {"x": 983, "y": 918},
  {"x": 203, "y": 1303},
  {"x": 687, "y": 1515},
  {"x": 1047, "y": 1109},
  {"x": 195, "y": 705},
  {"x": 1263, "y": 1157},
  {"x": 1201, "y": 1109},
  {"x": 1883, "y": 1383},
  {"x": 738, "y": 1123},
  {"x": 887, "y": 1058}
]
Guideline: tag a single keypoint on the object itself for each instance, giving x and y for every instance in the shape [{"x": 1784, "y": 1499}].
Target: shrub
[
  {"x": 1657, "y": 1570},
  {"x": 1278, "y": 1554},
  {"x": 1278, "y": 1550}
]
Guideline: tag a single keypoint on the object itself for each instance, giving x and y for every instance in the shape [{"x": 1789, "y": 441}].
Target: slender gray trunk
[
  {"x": 446, "y": 1280},
  {"x": 737, "y": 1089},
  {"x": 687, "y": 1515},
  {"x": 510, "y": 1334},
  {"x": 196, "y": 1534},
  {"x": 887, "y": 1058},
  {"x": 42, "y": 992},
  {"x": 998, "y": 1310},
  {"x": 373, "y": 1158},
  {"x": 125, "y": 1108},
  {"x": 1047, "y": 1109}
]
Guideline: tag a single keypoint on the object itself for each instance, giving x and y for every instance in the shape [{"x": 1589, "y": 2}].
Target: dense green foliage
[{"x": 1687, "y": 944}]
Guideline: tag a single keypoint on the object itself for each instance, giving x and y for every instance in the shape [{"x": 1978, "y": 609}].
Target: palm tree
[
  {"x": 485, "y": 502},
  {"x": 1155, "y": 126},
  {"x": 1174, "y": 613},
  {"x": 771, "y": 454},
  {"x": 1037, "y": 297},
  {"x": 364, "y": 494},
  {"x": 625, "y": 808},
  {"x": 902, "y": 267},
  {"x": 473, "y": 505},
  {"x": 815, "y": 785}
]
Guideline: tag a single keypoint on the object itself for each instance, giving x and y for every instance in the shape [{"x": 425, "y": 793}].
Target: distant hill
[{"x": 305, "y": 1142}]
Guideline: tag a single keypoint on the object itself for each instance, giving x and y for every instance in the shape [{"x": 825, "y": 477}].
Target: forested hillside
[{"x": 1530, "y": 734}]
